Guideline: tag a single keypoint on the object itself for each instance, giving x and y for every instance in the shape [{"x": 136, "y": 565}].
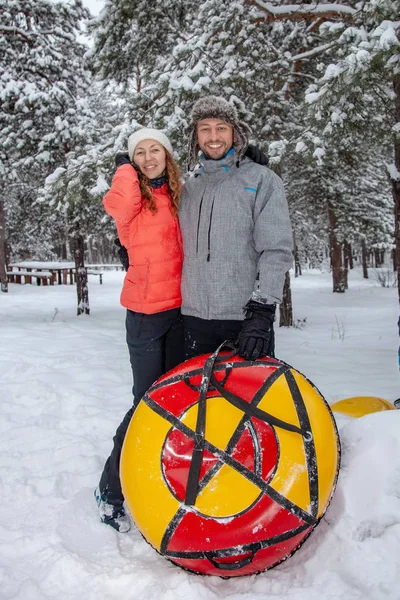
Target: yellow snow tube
[{"x": 359, "y": 406}]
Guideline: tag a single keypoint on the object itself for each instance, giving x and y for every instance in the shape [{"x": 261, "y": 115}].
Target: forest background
[{"x": 318, "y": 83}]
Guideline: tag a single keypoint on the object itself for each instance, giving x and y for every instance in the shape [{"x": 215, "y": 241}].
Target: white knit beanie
[{"x": 147, "y": 134}]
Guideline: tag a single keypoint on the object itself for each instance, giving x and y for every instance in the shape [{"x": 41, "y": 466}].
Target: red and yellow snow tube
[{"x": 228, "y": 465}]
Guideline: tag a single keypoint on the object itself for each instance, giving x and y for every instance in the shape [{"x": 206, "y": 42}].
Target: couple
[{"x": 214, "y": 275}]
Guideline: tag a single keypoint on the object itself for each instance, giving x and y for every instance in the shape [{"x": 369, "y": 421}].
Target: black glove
[
  {"x": 122, "y": 253},
  {"x": 256, "y": 337},
  {"x": 122, "y": 159},
  {"x": 256, "y": 155}
]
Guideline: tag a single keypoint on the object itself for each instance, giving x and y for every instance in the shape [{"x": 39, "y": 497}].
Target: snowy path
[{"x": 65, "y": 385}]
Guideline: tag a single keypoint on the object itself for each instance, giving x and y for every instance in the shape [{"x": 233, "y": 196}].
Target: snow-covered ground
[{"x": 65, "y": 385}]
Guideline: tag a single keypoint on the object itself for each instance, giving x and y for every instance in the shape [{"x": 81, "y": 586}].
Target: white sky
[{"x": 94, "y": 6}]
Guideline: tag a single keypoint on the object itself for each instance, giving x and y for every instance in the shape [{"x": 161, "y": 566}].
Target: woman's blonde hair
[{"x": 173, "y": 176}]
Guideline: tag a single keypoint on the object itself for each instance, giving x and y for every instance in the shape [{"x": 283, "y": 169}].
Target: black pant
[
  {"x": 204, "y": 336},
  {"x": 155, "y": 345}
]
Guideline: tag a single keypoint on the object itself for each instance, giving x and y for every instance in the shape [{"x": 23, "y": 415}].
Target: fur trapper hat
[
  {"x": 216, "y": 107},
  {"x": 147, "y": 134}
]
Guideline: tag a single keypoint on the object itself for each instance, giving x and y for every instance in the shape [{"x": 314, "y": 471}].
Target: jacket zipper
[
  {"x": 209, "y": 232},
  {"x": 198, "y": 224}
]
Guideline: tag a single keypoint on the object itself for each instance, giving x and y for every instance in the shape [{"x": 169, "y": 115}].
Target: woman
[{"x": 143, "y": 200}]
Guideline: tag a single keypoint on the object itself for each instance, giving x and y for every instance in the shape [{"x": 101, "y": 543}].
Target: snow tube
[
  {"x": 359, "y": 406},
  {"x": 228, "y": 465}
]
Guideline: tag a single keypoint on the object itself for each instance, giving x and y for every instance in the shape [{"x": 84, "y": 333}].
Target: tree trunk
[
  {"x": 3, "y": 261},
  {"x": 338, "y": 271},
  {"x": 90, "y": 252},
  {"x": 82, "y": 289},
  {"x": 64, "y": 253},
  {"x": 286, "y": 308},
  {"x": 297, "y": 265},
  {"x": 395, "y": 180},
  {"x": 346, "y": 263},
  {"x": 364, "y": 258},
  {"x": 67, "y": 249},
  {"x": 379, "y": 257},
  {"x": 348, "y": 255}
]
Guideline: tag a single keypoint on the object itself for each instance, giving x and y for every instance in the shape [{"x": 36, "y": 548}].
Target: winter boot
[{"x": 112, "y": 514}]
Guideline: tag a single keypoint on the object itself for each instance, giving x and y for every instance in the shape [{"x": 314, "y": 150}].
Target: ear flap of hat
[{"x": 242, "y": 132}]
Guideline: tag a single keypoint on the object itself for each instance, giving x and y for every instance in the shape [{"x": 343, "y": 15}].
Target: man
[{"x": 237, "y": 238}]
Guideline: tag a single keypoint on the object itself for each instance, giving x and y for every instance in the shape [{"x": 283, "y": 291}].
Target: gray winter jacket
[{"x": 237, "y": 238}]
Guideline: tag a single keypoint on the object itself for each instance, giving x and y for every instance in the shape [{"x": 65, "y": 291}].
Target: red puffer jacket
[{"x": 153, "y": 241}]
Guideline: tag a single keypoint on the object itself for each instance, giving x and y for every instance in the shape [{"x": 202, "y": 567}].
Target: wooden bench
[
  {"x": 44, "y": 277},
  {"x": 99, "y": 273}
]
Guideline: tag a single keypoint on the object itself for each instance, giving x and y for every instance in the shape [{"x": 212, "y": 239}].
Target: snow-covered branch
[
  {"x": 29, "y": 35},
  {"x": 314, "y": 52},
  {"x": 295, "y": 12},
  {"x": 15, "y": 31}
]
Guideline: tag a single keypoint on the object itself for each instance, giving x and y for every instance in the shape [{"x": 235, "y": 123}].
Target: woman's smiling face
[{"x": 150, "y": 157}]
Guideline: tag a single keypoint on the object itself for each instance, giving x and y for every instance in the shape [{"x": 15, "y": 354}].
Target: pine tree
[
  {"x": 42, "y": 88},
  {"x": 358, "y": 93},
  {"x": 43, "y": 77},
  {"x": 74, "y": 191}
]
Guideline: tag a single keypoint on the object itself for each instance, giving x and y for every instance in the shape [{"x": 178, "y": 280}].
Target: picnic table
[
  {"x": 16, "y": 276},
  {"x": 60, "y": 272}
]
